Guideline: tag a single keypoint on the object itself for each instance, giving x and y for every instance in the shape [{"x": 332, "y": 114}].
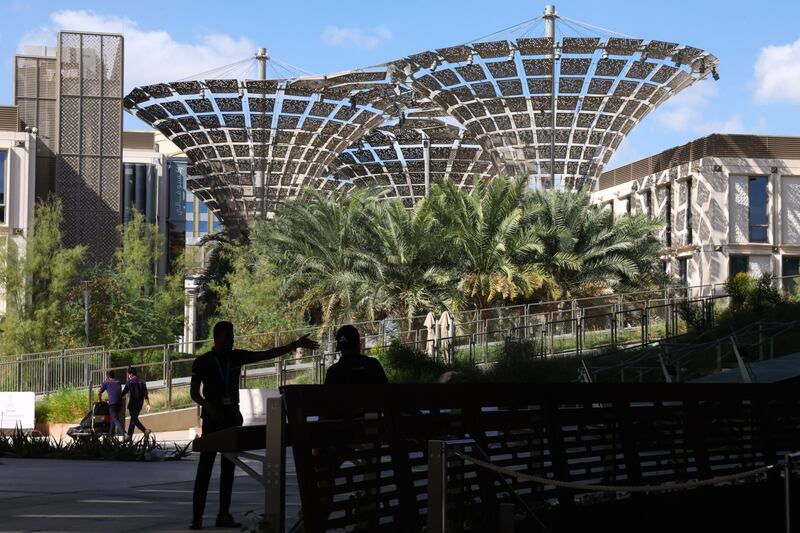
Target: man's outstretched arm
[{"x": 246, "y": 357}]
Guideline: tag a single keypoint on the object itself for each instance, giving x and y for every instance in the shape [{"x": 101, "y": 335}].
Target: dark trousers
[
  {"x": 113, "y": 411},
  {"x": 206, "y": 463},
  {"x": 135, "y": 422}
]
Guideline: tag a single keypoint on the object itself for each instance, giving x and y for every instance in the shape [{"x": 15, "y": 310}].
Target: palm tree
[
  {"x": 411, "y": 277},
  {"x": 487, "y": 241},
  {"x": 321, "y": 249},
  {"x": 585, "y": 250}
]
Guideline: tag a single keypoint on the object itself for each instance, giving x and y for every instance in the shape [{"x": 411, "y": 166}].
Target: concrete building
[
  {"x": 731, "y": 203},
  {"x": 17, "y": 183}
]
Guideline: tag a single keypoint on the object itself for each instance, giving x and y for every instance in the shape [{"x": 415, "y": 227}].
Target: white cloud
[
  {"x": 150, "y": 55},
  {"x": 685, "y": 112},
  {"x": 358, "y": 37},
  {"x": 777, "y": 72}
]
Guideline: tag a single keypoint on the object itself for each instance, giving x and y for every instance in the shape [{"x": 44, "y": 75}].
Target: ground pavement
[{"x": 114, "y": 496}]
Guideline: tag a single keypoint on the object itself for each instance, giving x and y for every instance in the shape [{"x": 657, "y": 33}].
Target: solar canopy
[{"x": 463, "y": 112}]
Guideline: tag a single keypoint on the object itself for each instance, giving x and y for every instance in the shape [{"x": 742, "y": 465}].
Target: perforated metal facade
[
  {"x": 35, "y": 86},
  {"x": 89, "y": 164}
]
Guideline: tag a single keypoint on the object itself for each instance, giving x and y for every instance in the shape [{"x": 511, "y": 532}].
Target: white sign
[
  {"x": 253, "y": 405},
  {"x": 17, "y": 410}
]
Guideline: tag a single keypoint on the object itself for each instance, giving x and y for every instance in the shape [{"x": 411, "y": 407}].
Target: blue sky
[{"x": 758, "y": 45}]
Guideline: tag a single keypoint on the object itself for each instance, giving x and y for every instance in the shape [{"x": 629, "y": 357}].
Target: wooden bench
[{"x": 361, "y": 453}]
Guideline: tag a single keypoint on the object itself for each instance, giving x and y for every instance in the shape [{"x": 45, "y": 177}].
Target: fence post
[
  {"x": 164, "y": 362},
  {"x": 45, "y": 376},
  {"x": 168, "y": 383},
  {"x": 274, "y": 473},
  {"x": 437, "y": 486}
]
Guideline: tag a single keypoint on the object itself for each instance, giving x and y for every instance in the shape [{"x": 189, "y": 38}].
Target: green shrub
[
  {"x": 21, "y": 445},
  {"x": 407, "y": 365},
  {"x": 752, "y": 298},
  {"x": 64, "y": 406}
]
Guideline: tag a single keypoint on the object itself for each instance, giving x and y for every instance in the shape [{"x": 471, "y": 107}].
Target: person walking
[
  {"x": 137, "y": 388},
  {"x": 113, "y": 387},
  {"x": 218, "y": 373}
]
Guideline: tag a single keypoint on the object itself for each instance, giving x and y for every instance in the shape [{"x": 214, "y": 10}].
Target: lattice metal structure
[
  {"x": 291, "y": 130},
  {"x": 490, "y": 107},
  {"x": 394, "y": 158},
  {"x": 502, "y": 93},
  {"x": 89, "y": 162}
]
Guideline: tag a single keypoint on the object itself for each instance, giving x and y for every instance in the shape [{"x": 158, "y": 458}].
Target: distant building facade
[
  {"x": 17, "y": 184},
  {"x": 730, "y": 203},
  {"x": 72, "y": 95}
]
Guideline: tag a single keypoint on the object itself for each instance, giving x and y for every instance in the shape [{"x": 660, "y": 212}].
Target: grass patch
[{"x": 64, "y": 406}]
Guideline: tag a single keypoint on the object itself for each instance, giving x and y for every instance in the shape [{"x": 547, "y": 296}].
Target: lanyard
[{"x": 226, "y": 375}]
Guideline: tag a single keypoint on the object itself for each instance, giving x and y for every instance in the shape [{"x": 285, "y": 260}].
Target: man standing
[
  {"x": 137, "y": 388},
  {"x": 218, "y": 371},
  {"x": 114, "y": 390}
]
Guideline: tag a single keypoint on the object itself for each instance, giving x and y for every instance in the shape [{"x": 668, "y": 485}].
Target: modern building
[
  {"x": 17, "y": 183},
  {"x": 35, "y": 87},
  {"x": 550, "y": 109},
  {"x": 73, "y": 96},
  {"x": 730, "y": 203}
]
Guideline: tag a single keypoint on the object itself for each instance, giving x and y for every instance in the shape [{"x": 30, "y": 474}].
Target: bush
[
  {"x": 751, "y": 297},
  {"x": 518, "y": 361},
  {"x": 407, "y": 365},
  {"x": 21, "y": 445},
  {"x": 64, "y": 406}
]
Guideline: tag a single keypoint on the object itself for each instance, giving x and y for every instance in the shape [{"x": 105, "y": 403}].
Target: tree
[
  {"x": 411, "y": 277},
  {"x": 487, "y": 241},
  {"x": 585, "y": 250},
  {"x": 323, "y": 250},
  {"x": 249, "y": 295},
  {"x": 41, "y": 282},
  {"x": 129, "y": 306}
]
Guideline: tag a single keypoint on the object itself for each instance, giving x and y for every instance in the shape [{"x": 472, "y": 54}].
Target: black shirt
[
  {"x": 220, "y": 375},
  {"x": 356, "y": 370},
  {"x": 137, "y": 387}
]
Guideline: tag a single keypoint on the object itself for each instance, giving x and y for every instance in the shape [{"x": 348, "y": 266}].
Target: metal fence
[{"x": 577, "y": 326}]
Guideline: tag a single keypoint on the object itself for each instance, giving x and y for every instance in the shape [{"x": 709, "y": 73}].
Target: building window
[
  {"x": 791, "y": 268},
  {"x": 3, "y": 174},
  {"x": 737, "y": 264},
  {"x": 689, "y": 234},
  {"x": 629, "y": 204},
  {"x": 668, "y": 231},
  {"x": 757, "y": 197},
  {"x": 648, "y": 202},
  {"x": 683, "y": 271}
]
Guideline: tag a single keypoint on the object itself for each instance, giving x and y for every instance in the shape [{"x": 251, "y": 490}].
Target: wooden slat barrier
[{"x": 361, "y": 452}]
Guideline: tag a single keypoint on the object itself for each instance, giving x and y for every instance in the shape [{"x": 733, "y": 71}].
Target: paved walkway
[{"x": 111, "y": 496}]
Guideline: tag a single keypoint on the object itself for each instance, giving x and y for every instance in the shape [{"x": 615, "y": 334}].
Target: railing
[
  {"x": 577, "y": 331},
  {"x": 674, "y": 362},
  {"x": 577, "y": 326}
]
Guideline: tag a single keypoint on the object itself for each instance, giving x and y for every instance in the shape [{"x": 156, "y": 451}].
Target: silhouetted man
[
  {"x": 114, "y": 390},
  {"x": 352, "y": 367},
  {"x": 136, "y": 387},
  {"x": 218, "y": 371}
]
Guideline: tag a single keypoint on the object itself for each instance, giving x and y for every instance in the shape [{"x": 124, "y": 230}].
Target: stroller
[{"x": 96, "y": 421}]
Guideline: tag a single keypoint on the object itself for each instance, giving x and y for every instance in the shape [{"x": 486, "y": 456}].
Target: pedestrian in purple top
[{"x": 114, "y": 389}]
